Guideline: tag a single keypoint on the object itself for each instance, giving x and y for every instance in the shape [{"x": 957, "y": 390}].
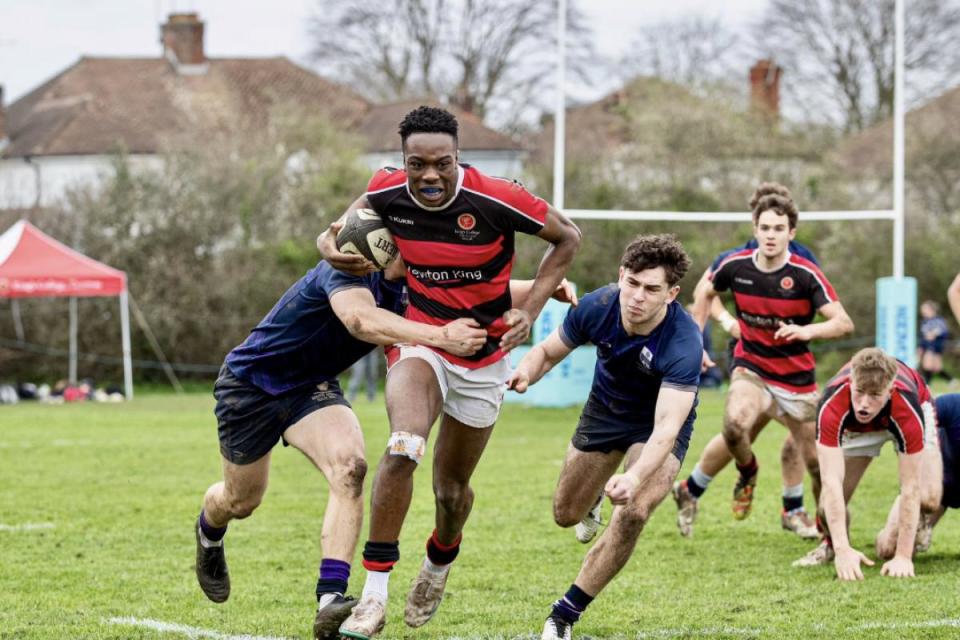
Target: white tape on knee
[{"x": 404, "y": 443}]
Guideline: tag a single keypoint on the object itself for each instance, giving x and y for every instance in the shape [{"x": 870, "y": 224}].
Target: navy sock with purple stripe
[
  {"x": 213, "y": 534},
  {"x": 572, "y": 605},
  {"x": 334, "y": 575}
]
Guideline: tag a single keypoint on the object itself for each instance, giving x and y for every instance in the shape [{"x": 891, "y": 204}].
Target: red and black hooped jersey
[
  {"x": 766, "y": 300},
  {"x": 459, "y": 256},
  {"x": 902, "y": 416}
]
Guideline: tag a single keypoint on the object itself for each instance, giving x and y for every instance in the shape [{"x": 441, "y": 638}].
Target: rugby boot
[
  {"x": 556, "y": 628},
  {"x": 686, "y": 508},
  {"x": 743, "y": 496},
  {"x": 820, "y": 555},
  {"x": 332, "y": 610},
  {"x": 799, "y": 523},
  {"x": 587, "y": 528},
  {"x": 425, "y": 595},
  {"x": 366, "y": 620},
  {"x": 212, "y": 569}
]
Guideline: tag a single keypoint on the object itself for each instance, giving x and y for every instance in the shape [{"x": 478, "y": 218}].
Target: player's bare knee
[
  {"x": 885, "y": 545},
  {"x": 453, "y": 497},
  {"x": 348, "y": 476},
  {"x": 930, "y": 500},
  {"x": 633, "y": 517},
  {"x": 241, "y": 507},
  {"x": 564, "y": 515},
  {"x": 404, "y": 452},
  {"x": 733, "y": 433}
]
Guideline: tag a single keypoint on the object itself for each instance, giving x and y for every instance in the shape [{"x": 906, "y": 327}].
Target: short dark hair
[
  {"x": 425, "y": 119},
  {"x": 776, "y": 197},
  {"x": 652, "y": 251}
]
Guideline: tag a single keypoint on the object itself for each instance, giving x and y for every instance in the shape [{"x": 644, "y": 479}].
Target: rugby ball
[{"x": 363, "y": 233}]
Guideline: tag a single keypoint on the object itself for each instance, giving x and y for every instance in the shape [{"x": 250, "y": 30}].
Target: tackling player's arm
[
  {"x": 673, "y": 407},
  {"x": 327, "y": 245},
  {"x": 704, "y": 296},
  {"x": 901, "y": 565},
  {"x": 538, "y": 361},
  {"x": 953, "y": 297},
  {"x": 832, "y": 468},
  {"x": 359, "y": 313},
  {"x": 837, "y": 324},
  {"x": 564, "y": 239},
  {"x": 519, "y": 289}
]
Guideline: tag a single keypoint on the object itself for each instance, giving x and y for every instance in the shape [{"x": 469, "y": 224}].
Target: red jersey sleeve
[
  {"x": 524, "y": 212},
  {"x": 833, "y": 407},
  {"x": 821, "y": 291}
]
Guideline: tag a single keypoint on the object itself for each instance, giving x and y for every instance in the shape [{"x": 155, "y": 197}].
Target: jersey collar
[{"x": 756, "y": 262}]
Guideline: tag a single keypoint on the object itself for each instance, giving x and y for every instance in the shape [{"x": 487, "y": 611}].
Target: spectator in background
[
  {"x": 366, "y": 369},
  {"x": 933, "y": 341}
]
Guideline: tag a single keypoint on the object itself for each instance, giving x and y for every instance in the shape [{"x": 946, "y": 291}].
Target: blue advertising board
[{"x": 897, "y": 318}]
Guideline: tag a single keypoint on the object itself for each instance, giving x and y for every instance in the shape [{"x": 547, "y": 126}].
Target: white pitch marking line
[
  {"x": 27, "y": 526},
  {"x": 709, "y": 631},
  {"x": 190, "y": 632},
  {"x": 927, "y": 624}
]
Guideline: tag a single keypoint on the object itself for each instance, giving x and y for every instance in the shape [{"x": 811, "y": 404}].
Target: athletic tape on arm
[{"x": 404, "y": 443}]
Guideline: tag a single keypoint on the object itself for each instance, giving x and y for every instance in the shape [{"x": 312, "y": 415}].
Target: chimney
[
  {"x": 182, "y": 38},
  {"x": 3, "y": 121},
  {"x": 765, "y": 88}
]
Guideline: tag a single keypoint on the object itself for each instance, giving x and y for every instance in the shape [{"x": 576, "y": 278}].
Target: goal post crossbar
[{"x": 721, "y": 216}]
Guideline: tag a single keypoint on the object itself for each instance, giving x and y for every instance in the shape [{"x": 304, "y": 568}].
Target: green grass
[{"x": 123, "y": 483}]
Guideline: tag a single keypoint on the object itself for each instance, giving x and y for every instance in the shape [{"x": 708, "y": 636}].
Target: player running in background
[
  {"x": 454, "y": 227},
  {"x": 777, "y": 296},
  {"x": 875, "y": 398},
  {"x": 716, "y": 456},
  {"x": 933, "y": 341},
  {"x": 281, "y": 384},
  {"x": 640, "y": 410}
]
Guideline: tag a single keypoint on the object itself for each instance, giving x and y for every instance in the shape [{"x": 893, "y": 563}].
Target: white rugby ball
[{"x": 363, "y": 233}]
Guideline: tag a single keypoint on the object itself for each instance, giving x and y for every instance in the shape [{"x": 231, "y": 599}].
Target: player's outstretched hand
[
  {"x": 352, "y": 263},
  {"x": 565, "y": 293},
  {"x": 519, "y": 381},
  {"x": 793, "y": 333},
  {"x": 898, "y": 568},
  {"x": 519, "y": 322},
  {"x": 463, "y": 337},
  {"x": 847, "y": 562},
  {"x": 706, "y": 363},
  {"x": 621, "y": 487}
]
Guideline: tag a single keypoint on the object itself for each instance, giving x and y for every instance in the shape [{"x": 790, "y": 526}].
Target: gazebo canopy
[{"x": 32, "y": 264}]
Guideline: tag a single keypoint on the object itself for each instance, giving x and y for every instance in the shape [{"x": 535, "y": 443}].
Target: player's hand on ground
[
  {"x": 351, "y": 263},
  {"x": 519, "y": 381},
  {"x": 621, "y": 487},
  {"x": 847, "y": 562},
  {"x": 898, "y": 568},
  {"x": 519, "y": 322},
  {"x": 463, "y": 337},
  {"x": 565, "y": 293},
  {"x": 706, "y": 363},
  {"x": 793, "y": 333}
]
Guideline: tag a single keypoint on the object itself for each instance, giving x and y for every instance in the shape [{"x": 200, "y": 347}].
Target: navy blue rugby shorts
[
  {"x": 250, "y": 421},
  {"x": 600, "y": 429}
]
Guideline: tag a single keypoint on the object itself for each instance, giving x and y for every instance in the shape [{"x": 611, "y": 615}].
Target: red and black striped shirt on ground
[
  {"x": 902, "y": 415},
  {"x": 459, "y": 256},
  {"x": 766, "y": 300}
]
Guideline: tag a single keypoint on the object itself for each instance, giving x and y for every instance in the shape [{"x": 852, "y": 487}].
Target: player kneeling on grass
[
  {"x": 873, "y": 399},
  {"x": 281, "y": 383},
  {"x": 640, "y": 408}
]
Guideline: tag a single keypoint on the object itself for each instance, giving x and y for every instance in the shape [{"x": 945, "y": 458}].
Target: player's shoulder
[
  {"x": 604, "y": 297},
  {"x": 504, "y": 190},
  {"x": 681, "y": 321},
  {"x": 387, "y": 178},
  {"x": 736, "y": 257},
  {"x": 948, "y": 409},
  {"x": 805, "y": 265}
]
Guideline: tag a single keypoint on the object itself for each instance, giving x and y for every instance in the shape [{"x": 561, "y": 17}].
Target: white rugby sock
[
  {"x": 376, "y": 585},
  {"x": 793, "y": 491},
  {"x": 436, "y": 569},
  {"x": 702, "y": 479}
]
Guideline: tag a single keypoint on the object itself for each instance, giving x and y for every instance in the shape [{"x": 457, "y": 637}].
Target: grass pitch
[{"x": 113, "y": 491}]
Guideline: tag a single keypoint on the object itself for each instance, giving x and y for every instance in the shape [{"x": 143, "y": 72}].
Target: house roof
[
  {"x": 870, "y": 152},
  {"x": 379, "y": 126},
  {"x": 143, "y": 105}
]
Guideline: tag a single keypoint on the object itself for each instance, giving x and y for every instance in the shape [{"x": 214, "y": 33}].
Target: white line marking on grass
[
  {"x": 927, "y": 624},
  {"x": 698, "y": 633},
  {"x": 27, "y": 526},
  {"x": 182, "y": 629}
]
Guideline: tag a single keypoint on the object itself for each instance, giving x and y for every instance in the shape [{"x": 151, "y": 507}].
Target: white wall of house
[
  {"x": 53, "y": 176},
  {"x": 504, "y": 164}
]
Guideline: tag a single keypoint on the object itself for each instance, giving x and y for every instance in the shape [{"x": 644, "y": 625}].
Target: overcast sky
[{"x": 39, "y": 38}]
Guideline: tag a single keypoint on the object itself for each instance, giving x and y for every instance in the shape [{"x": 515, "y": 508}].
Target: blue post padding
[
  {"x": 897, "y": 318},
  {"x": 565, "y": 385}
]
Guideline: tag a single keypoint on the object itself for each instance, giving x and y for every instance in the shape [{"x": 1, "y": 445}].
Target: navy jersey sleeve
[
  {"x": 581, "y": 321},
  {"x": 948, "y": 410},
  {"x": 680, "y": 363},
  {"x": 716, "y": 261},
  {"x": 331, "y": 281},
  {"x": 803, "y": 252}
]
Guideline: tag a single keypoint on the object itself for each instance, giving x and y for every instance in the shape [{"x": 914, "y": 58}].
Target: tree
[
  {"x": 487, "y": 57},
  {"x": 840, "y": 53}
]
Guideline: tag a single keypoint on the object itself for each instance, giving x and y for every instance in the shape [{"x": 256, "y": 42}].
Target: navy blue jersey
[
  {"x": 301, "y": 342},
  {"x": 933, "y": 334},
  {"x": 631, "y": 369},
  {"x": 793, "y": 247},
  {"x": 948, "y": 421}
]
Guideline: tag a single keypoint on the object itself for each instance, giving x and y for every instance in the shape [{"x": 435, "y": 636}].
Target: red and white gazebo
[{"x": 34, "y": 265}]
